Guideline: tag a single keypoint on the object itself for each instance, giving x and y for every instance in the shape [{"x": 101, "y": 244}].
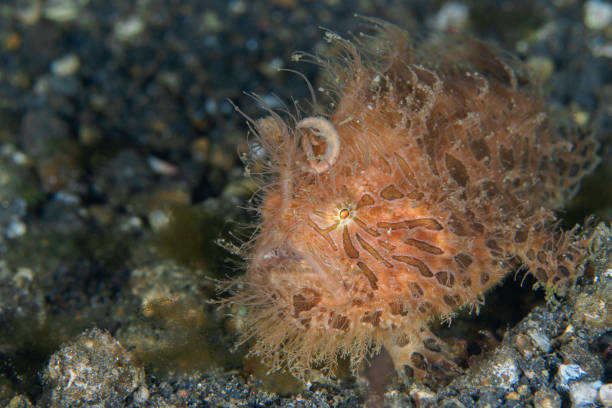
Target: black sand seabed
[{"x": 119, "y": 168}]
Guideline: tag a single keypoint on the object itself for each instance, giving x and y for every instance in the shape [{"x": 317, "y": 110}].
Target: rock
[
  {"x": 577, "y": 352},
  {"x": 66, "y": 65},
  {"x": 15, "y": 229},
  {"x": 89, "y": 135},
  {"x": 505, "y": 373},
  {"x": 547, "y": 398},
  {"x": 19, "y": 401},
  {"x": 422, "y": 396},
  {"x": 162, "y": 167},
  {"x": 597, "y": 14},
  {"x": 158, "y": 219},
  {"x": 540, "y": 340},
  {"x": 605, "y": 395},
  {"x": 542, "y": 67},
  {"x": 452, "y": 17},
  {"x": 129, "y": 29},
  {"x": 171, "y": 292},
  {"x": 583, "y": 394},
  {"x": 211, "y": 22},
  {"x": 568, "y": 373},
  {"x": 94, "y": 370},
  {"x": 61, "y": 11}
]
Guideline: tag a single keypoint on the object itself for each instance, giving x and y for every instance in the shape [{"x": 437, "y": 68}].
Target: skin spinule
[{"x": 434, "y": 176}]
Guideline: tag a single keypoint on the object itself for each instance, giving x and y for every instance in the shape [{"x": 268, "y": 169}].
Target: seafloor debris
[{"x": 94, "y": 370}]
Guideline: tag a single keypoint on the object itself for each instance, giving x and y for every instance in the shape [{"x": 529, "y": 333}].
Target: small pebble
[
  {"x": 89, "y": 136},
  {"x": 581, "y": 117},
  {"x": 605, "y": 395},
  {"x": 523, "y": 390},
  {"x": 237, "y": 7},
  {"x": 524, "y": 346},
  {"x": 131, "y": 224},
  {"x": 597, "y": 14},
  {"x": 567, "y": 373},
  {"x": 422, "y": 396},
  {"x": 61, "y": 11},
  {"x": 271, "y": 101},
  {"x": 513, "y": 396},
  {"x": 542, "y": 67},
  {"x": 23, "y": 276},
  {"x": 603, "y": 50},
  {"x": 129, "y": 29},
  {"x": 200, "y": 148},
  {"x": 19, "y": 401},
  {"x": 505, "y": 375},
  {"x": 271, "y": 68},
  {"x": 21, "y": 159},
  {"x": 12, "y": 42},
  {"x": 93, "y": 370},
  {"x": 141, "y": 395},
  {"x": 251, "y": 44},
  {"x": 546, "y": 398},
  {"x": 162, "y": 167},
  {"x": 158, "y": 219},
  {"x": 66, "y": 65},
  {"x": 210, "y": 106},
  {"x": 583, "y": 394},
  {"x": 211, "y": 22},
  {"x": 67, "y": 198},
  {"x": 29, "y": 13},
  {"x": 540, "y": 340},
  {"x": 15, "y": 229},
  {"x": 102, "y": 214},
  {"x": 452, "y": 17}
]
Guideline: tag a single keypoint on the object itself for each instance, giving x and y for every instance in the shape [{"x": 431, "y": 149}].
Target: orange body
[{"x": 446, "y": 176}]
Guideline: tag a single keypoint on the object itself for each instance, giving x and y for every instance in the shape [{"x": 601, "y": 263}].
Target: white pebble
[
  {"x": 61, "y": 11},
  {"x": 210, "y": 106},
  {"x": 541, "y": 341},
  {"x": 21, "y": 158},
  {"x": 506, "y": 374},
  {"x": 237, "y": 7},
  {"x": 131, "y": 224},
  {"x": 158, "y": 219},
  {"x": 453, "y": 16},
  {"x": 163, "y": 167},
  {"x": 567, "y": 373},
  {"x": 271, "y": 101},
  {"x": 605, "y": 395},
  {"x": 603, "y": 50},
  {"x": 129, "y": 29},
  {"x": 66, "y": 65},
  {"x": 67, "y": 198},
  {"x": 583, "y": 394},
  {"x": 24, "y": 275},
  {"x": 141, "y": 395},
  {"x": 597, "y": 14},
  {"x": 15, "y": 229}
]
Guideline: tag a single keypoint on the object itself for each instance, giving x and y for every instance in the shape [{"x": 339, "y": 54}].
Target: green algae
[{"x": 190, "y": 237}]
